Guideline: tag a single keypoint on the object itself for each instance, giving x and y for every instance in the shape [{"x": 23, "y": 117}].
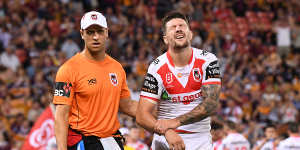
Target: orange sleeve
[
  {"x": 125, "y": 93},
  {"x": 64, "y": 86}
]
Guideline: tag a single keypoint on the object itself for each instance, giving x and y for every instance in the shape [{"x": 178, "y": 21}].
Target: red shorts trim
[{"x": 183, "y": 131}]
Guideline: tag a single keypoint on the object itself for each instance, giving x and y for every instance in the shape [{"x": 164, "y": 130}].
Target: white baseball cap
[{"x": 91, "y": 18}]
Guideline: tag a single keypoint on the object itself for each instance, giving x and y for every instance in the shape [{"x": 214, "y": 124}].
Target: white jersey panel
[
  {"x": 269, "y": 145},
  {"x": 235, "y": 141},
  {"x": 291, "y": 143}
]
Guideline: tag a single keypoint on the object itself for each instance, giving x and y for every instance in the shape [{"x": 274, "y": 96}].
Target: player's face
[
  {"x": 134, "y": 133},
  {"x": 178, "y": 34},
  {"x": 270, "y": 133},
  {"x": 217, "y": 134},
  {"x": 95, "y": 38}
]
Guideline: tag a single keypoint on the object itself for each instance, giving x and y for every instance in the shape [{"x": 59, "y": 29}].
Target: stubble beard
[{"x": 181, "y": 46}]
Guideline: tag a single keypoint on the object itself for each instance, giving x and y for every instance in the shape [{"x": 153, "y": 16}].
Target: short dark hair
[
  {"x": 293, "y": 127},
  {"x": 172, "y": 15},
  {"x": 216, "y": 125},
  {"x": 269, "y": 126},
  {"x": 230, "y": 124}
]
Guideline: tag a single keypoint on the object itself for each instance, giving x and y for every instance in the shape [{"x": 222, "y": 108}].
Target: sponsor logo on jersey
[
  {"x": 179, "y": 75},
  {"x": 213, "y": 70},
  {"x": 155, "y": 62},
  {"x": 196, "y": 74},
  {"x": 169, "y": 78},
  {"x": 63, "y": 89},
  {"x": 150, "y": 84},
  {"x": 92, "y": 81},
  {"x": 204, "y": 52},
  {"x": 187, "y": 99},
  {"x": 113, "y": 79},
  {"x": 165, "y": 96}
]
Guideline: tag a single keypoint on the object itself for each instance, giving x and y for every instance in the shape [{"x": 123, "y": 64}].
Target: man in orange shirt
[{"x": 90, "y": 88}]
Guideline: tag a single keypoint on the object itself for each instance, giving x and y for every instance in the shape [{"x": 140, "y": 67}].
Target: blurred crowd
[{"x": 256, "y": 41}]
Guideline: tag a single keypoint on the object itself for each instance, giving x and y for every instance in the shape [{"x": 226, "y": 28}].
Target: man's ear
[
  {"x": 191, "y": 35},
  {"x": 165, "y": 39},
  {"x": 106, "y": 33},
  {"x": 81, "y": 33}
]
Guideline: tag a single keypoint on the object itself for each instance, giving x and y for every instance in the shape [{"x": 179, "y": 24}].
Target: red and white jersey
[
  {"x": 291, "y": 143},
  {"x": 217, "y": 145},
  {"x": 269, "y": 145},
  {"x": 177, "y": 90},
  {"x": 138, "y": 145},
  {"x": 235, "y": 141}
]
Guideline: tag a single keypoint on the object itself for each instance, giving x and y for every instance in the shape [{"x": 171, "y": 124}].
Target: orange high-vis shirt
[{"x": 93, "y": 89}]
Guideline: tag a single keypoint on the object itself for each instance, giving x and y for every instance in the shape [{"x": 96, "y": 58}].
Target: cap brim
[{"x": 94, "y": 24}]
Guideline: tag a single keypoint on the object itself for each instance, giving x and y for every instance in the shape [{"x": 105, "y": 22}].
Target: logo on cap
[{"x": 94, "y": 17}]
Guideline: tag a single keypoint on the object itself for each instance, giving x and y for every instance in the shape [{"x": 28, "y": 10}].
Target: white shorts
[{"x": 194, "y": 141}]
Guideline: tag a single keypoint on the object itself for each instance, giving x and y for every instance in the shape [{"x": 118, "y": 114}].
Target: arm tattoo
[{"x": 207, "y": 108}]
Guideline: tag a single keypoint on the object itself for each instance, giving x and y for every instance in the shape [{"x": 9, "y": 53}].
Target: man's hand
[
  {"x": 174, "y": 140},
  {"x": 161, "y": 126}
]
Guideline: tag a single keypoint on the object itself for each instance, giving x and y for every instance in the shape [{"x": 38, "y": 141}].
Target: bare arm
[
  {"x": 128, "y": 107},
  {"x": 61, "y": 126},
  {"x": 144, "y": 116},
  {"x": 207, "y": 108},
  {"x": 258, "y": 147}
]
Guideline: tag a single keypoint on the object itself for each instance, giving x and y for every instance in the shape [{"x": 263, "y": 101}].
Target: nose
[
  {"x": 178, "y": 29},
  {"x": 96, "y": 36}
]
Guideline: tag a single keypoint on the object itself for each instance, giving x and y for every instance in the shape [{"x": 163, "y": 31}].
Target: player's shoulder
[
  {"x": 287, "y": 140},
  {"x": 259, "y": 142},
  {"x": 203, "y": 54},
  {"x": 284, "y": 142},
  {"x": 232, "y": 137},
  {"x": 71, "y": 63},
  {"x": 114, "y": 62},
  {"x": 227, "y": 139},
  {"x": 158, "y": 62}
]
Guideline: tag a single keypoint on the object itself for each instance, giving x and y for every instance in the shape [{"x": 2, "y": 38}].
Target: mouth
[
  {"x": 96, "y": 44},
  {"x": 179, "y": 36}
]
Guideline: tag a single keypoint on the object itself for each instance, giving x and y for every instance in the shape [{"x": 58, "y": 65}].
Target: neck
[
  {"x": 97, "y": 56},
  {"x": 134, "y": 140},
  {"x": 231, "y": 132},
  {"x": 181, "y": 57},
  {"x": 294, "y": 135}
]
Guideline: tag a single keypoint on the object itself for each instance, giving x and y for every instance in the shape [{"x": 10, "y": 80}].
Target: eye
[
  {"x": 89, "y": 32},
  {"x": 183, "y": 25},
  {"x": 100, "y": 31}
]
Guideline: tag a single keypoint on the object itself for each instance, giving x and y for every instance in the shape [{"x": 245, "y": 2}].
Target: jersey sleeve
[
  {"x": 64, "y": 86},
  {"x": 211, "y": 71},
  {"x": 152, "y": 86},
  {"x": 281, "y": 146},
  {"x": 125, "y": 93}
]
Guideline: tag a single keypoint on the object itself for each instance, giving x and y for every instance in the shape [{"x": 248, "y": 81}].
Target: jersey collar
[{"x": 171, "y": 61}]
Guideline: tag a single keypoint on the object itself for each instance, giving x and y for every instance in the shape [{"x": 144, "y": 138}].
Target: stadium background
[{"x": 257, "y": 42}]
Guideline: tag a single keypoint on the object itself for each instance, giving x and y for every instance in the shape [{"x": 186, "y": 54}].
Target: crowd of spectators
[{"x": 257, "y": 42}]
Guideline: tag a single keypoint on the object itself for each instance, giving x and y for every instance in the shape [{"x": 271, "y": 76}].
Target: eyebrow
[{"x": 95, "y": 29}]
